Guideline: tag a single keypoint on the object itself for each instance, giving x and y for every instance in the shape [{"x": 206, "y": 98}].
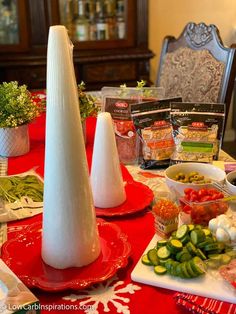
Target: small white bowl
[
  {"x": 209, "y": 171},
  {"x": 230, "y": 176}
]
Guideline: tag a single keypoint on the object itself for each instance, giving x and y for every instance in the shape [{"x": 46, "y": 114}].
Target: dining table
[{"x": 119, "y": 293}]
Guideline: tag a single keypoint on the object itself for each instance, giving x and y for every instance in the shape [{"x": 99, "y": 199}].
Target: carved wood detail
[{"x": 199, "y": 34}]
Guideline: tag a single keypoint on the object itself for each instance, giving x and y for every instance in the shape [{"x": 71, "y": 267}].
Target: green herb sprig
[
  {"x": 141, "y": 84},
  {"x": 124, "y": 89},
  {"x": 87, "y": 103}
]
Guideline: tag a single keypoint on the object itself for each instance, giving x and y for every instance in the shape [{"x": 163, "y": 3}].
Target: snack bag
[
  {"x": 198, "y": 130},
  {"x": 152, "y": 122},
  {"x": 118, "y": 102}
]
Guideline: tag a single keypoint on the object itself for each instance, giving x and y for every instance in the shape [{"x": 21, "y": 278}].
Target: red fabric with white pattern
[{"x": 196, "y": 304}]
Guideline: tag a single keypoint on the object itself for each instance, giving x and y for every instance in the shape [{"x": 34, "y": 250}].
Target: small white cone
[
  {"x": 70, "y": 236},
  {"x": 106, "y": 178}
]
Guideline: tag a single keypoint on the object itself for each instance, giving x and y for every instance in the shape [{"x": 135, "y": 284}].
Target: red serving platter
[
  {"x": 138, "y": 197},
  {"x": 23, "y": 255}
]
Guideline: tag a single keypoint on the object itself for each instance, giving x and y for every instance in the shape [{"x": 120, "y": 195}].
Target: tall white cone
[
  {"x": 106, "y": 178},
  {"x": 70, "y": 235}
]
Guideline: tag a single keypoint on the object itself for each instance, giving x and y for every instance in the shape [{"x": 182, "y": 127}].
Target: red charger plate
[
  {"x": 23, "y": 255},
  {"x": 138, "y": 197}
]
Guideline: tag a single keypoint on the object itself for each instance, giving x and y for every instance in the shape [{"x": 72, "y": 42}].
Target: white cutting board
[{"x": 207, "y": 285}]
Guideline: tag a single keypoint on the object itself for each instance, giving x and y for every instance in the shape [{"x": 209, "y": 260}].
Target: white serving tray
[{"x": 207, "y": 286}]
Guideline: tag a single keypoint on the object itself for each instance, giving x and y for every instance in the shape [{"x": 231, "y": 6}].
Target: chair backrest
[{"x": 197, "y": 66}]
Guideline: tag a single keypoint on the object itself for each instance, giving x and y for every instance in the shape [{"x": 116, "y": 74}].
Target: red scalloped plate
[
  {"x": 138, "y": 197},
  {"x": 23, "y": 255}
]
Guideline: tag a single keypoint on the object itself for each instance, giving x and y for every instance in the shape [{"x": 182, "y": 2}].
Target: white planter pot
[{"x": 14, "y": 141}]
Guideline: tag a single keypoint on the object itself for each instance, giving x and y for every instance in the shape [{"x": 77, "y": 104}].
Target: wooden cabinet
[{"x": 106, "y": 56}]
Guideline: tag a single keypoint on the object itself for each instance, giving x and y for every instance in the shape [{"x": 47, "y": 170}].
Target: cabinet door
[
  {"x": 97, "y": 24},
  {"x": 13, "y": 25}
]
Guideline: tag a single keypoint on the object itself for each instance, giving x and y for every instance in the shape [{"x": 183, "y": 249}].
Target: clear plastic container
[
  {"x": 202, "y": 212},
  {"x": 152, "y": 93}
]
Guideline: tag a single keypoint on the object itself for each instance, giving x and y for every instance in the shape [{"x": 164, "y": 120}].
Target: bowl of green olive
[{"x": 192, "y": 175}]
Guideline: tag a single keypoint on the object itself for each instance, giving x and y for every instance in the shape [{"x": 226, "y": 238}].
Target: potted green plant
[
  {"x": 87, "y": 103},
  {"x": 17, "y": 110}
]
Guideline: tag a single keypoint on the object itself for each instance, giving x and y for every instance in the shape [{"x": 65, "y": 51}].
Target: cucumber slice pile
[{"x": 188, "y": 253}]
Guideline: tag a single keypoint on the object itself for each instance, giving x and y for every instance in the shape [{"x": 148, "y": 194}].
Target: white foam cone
[
  {"x": 70, "y": 236},
  {"x": 106, "y": 178}
]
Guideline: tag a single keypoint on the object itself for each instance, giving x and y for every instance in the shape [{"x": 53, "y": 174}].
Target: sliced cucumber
[
  {"x": 197, "y": 236},
  {"x": 184, "y": 270},
  {"x": 198, "y": 265},
  {"x": 182, "y": 231},
  {"x": 213, "y": 252},
  {"x": 145, "y": 260},
  {"x": 191, "y": 248},
  {"x": 207, "y": 232},
  {"x": 211, "y": 247},
  {"x": 188, "y": 252},
  {"x": 212, "y": 264},
  {"x": 168, "y": 264},
  {"x": 179, "y": 254},
  {"x": 161, "y": 243},
  {"x": 178, "y": 271},
  {"x": 160, "y": 270},
  {"x": 175, "y": 245},
  {"x": 215, "y": 260},
  {"x": 162, "y": 262},
  {"x": 215, "y": 257},
  {"x": 210, "y": 239},
  {"x": 152, "y": 256},
  {"x": 190, "y": 227},
  {"x": 173, "y": 268},
  {"x": 185, "y": 239},
  {"x": 202, "y": 245},
  {"x": 201, "y": 254},
  {"x": 163, "y": 252},
  {"x": 191, "y": 272},
  {"x": 185, "y": 257},
  {"x": 198, "y": 227}
]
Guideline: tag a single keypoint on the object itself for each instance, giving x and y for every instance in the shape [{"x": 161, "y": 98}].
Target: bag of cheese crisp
[
  {"x": 152, "y": 122},
  {"x": 198, "y": 131}
]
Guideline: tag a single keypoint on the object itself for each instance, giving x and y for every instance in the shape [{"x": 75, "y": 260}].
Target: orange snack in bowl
[{"x": 166, "y": 217}]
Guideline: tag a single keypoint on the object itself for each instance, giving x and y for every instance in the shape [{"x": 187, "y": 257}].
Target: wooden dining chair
[{"x": 197, "y": 66}]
